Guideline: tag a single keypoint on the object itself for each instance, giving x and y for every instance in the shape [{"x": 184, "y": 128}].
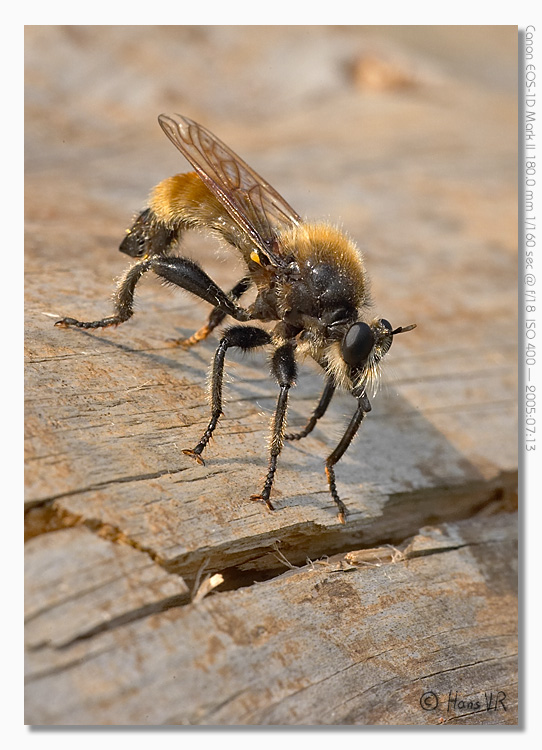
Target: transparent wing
[{"x": 257, "y": 209}]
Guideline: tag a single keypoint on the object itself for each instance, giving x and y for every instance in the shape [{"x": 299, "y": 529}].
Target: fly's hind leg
[
  {"x": 124, "y": 300},
  {"x": 188, "y": 275},
  {"x": 181, "y": 272},
  {"x": 215, "y": 318},
  {"x": 147, "y": 238},
  {"x": 243, "y": 337}
]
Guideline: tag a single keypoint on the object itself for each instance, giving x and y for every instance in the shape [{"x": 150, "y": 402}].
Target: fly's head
[{"x": 355, "y": 355}]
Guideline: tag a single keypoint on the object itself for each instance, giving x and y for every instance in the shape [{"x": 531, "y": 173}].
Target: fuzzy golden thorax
[
  {"x": 324, "y": 279},
  {"x": 322, "y": 289},
  {"x": 323, "y": 244}
]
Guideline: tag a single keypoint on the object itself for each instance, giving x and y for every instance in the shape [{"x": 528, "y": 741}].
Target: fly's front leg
[
  {"x": 319, "y": 412},
  {"x": 363, "y": 407},
  {"x": 215, "y": 318},
  {"x": 243, "y": 337},
  {"x": 283, "y": 367}
]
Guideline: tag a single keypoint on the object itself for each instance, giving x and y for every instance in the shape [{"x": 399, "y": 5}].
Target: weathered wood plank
[
  {"x": 333, "y": 642},
  {"x": 431, "y": 197}
]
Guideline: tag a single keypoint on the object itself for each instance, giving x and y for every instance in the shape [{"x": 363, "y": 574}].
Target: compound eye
[
  {"x": 357, "y": 344},
  {"x": 387, "y": 339}
]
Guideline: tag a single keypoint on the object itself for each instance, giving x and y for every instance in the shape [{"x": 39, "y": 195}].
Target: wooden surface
[{"x": 123, "y": 529}]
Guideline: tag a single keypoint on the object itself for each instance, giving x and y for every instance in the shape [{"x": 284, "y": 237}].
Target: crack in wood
[
  {"x": 102, "y": 485},
  {"x": 336, "y": 564},
  {"x": 128, "y": 617}
]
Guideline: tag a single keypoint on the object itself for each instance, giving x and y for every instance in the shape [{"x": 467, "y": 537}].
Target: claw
[
  {"x": 195, "y": 456},
  {"x": 65, "y": 322},
  {"x": 261, "y": 498}
]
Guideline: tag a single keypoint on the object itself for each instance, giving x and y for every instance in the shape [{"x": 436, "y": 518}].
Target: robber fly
[{"x": 309, "y": 278}]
